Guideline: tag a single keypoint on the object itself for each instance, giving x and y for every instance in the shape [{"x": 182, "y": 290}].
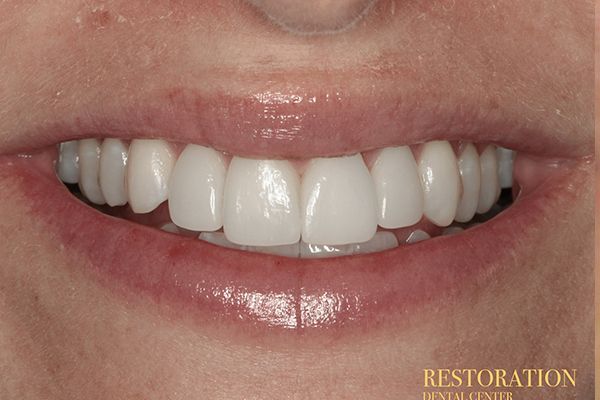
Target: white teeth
[
  {"x": 113, "y": 163},
  {"x": 196, "y": 189},
  {"x": 170, "y": 227},
  {"x": 452, "y": 230},
  {"x": 324, "y": 251},
  {"x": 470, "y": 175},
  {"x": 441, "y": 182},
  {"x": 149, "y": 167},
  {"x": 490, "y": 184},
  {"x": 338, "y": 201},
  {"x": 219, "y": 239},
  {"x": 68, "y": 162},
  {"x": 417, "y": 236},
  {"x": 261, "y": 203},
  {"x": 398, "y": 188},
  {"x": 505, "y": 167},
  {"x": 264, "y": 206},
  {"x": 286, "y": 250},
  {"x": 380, "y": 242},
  {"x": 89, "y": 164}
]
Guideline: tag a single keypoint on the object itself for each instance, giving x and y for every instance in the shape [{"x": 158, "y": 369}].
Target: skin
[{"x": 54, "y": 61}]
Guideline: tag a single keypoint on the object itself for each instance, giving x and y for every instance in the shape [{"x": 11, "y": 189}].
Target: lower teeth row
[
  {"x": 383, "y": 240},
  {"x": 335, "y": 204}
]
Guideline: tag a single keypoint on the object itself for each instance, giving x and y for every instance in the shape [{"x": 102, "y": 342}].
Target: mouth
[{"x": 341, "y": 232}]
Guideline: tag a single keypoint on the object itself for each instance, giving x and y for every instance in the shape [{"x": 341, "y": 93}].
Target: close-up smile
[
  {"x": 296, "y": 199},
  {"x": 300, "y": 243}
]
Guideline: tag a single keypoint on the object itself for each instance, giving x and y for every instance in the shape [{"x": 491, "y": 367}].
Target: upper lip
[{"x": 302, "y": 123}]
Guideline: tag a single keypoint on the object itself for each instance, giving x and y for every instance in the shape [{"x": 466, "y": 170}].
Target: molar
[
  {"x": 490, "y": 182},
  {"x": 68, "y": 162},
  {"x": 89, "y": 165}
]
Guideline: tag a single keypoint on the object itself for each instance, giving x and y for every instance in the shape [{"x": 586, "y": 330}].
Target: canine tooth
[
  {"x": 338, "y": 201},
  {"x": 398, "y": 188},
  {"x": 68, "y": 162},
  {"x": 505, "y": 167},
  {"x": 261, "y": 203},
  {"x": 196, "y": 189},
  {"x": 113, "y": 161},
  {"x": 89, "y": 164},
  {"x": 380, "y": 242},
  {"x": 440, "y": 179},
  {"x": 148, "y": 170},
  {"x": 417, "y": 236},
  {"x": 490, "y": 184},
  {"x": 470, "y": 175}
]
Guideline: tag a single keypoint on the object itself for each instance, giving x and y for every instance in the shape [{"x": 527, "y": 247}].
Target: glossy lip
[
  {"x": 259, "y": 293},
  {"x": 302, "y": 122}
]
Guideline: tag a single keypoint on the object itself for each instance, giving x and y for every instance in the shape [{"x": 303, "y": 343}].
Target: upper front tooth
[
  {"x": 196, "y": 189},
  {"x": 490, "y": 184},
  {"x": 338, "y": 201},
  {"x": 505, "y": 167},
  {"x": 68, "y": 162},
  {"x": 113, "y": 160},
  {"x": 149, "y": 167},
  {"x": 261, "y": 203},
  {"x": 398, "y": 188},
  {"x": 470, "y": 175},
  {"x": 441, "y": 182},
  {"x": 89, "y": 164}
]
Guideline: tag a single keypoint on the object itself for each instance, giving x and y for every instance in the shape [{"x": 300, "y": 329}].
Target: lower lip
[{"x": 259, "y": 293}]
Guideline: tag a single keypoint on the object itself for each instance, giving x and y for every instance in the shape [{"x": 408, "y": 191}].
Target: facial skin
[{"x": 64, "y": 336}]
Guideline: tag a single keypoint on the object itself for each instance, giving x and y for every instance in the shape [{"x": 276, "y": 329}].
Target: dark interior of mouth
[{"x": 160, "y": 218}]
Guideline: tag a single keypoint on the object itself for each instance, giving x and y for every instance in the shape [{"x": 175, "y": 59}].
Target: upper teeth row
[{"x": 268, "y": 202}]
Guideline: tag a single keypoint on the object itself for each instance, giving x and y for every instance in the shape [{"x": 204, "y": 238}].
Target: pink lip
[
  {"x": 261, "y": 293},
  {"x": 302, "y": 123}
]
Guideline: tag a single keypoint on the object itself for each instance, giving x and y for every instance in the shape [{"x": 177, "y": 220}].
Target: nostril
[{"x": 314, "y": 16}]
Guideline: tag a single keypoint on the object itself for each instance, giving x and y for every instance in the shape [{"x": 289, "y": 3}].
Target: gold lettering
[
  {"x": 547, "y": 378},
  {"x": 456, "y": 378},
  {"x": 500, "y": 377},
  {"x": 443, "y": 378},
  {"x": 489, "y": 375},
  {"x": 429, "y": 373},
  {"x": 540, "y": 373},
  {"x": 515, "y": 378},
  {"x": 528, "y": 373},
  {"x": 568, "y": 377},
  {"x": 470, "y": 373}
]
